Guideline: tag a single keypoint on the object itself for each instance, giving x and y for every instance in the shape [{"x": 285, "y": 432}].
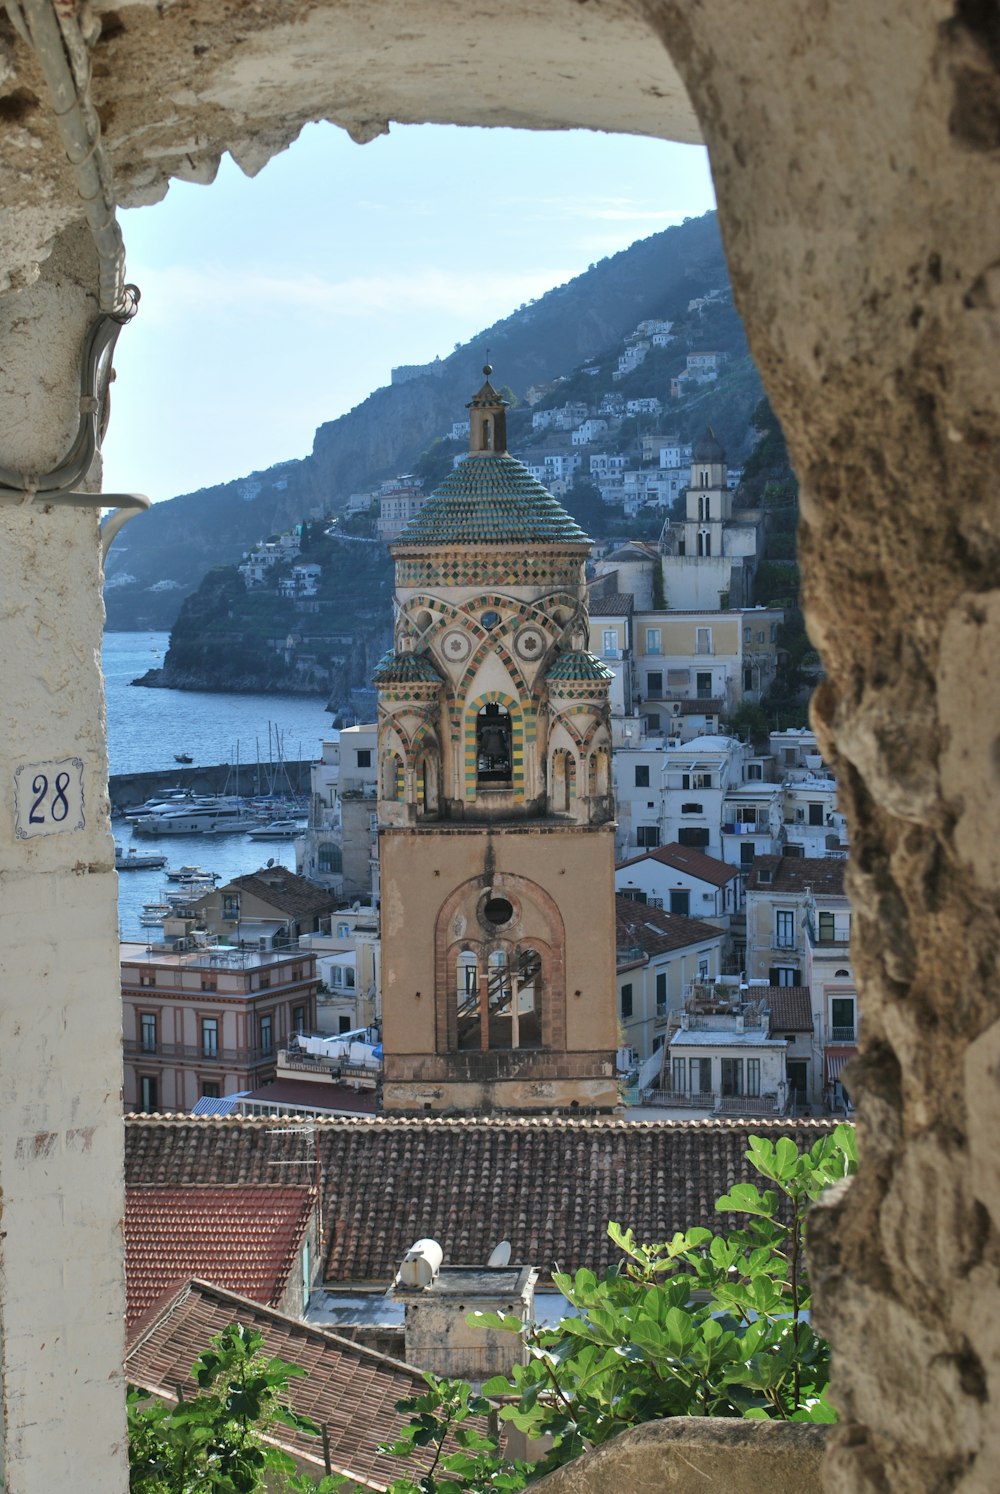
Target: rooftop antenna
[{"x": 307, "y": 1129}]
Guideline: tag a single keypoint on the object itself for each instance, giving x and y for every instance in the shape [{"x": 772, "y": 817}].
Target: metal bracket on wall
[{"x": 124, "y": 506}]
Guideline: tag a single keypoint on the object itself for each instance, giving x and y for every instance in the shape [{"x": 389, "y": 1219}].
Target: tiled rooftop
[
  {"x": 246, "y": 1238},
  {"x": 549, "y": 1185},
  {"x": 688, "y": 859},
  {"x": 350, "y": 1390},
  {"x": 490, "y": 500},
  {"x": 656, "y": 931},
  {"x": 282, "y": 889},
  {"x": 797, "y": 874},
  {"x": 611, "y": 604},
  {"x": 790, "y": 1007}
]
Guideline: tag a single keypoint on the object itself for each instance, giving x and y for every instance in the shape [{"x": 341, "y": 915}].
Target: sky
[{"x": 274, "y": 304}]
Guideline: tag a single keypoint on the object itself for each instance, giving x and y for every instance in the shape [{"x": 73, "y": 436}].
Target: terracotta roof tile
[
  {"x": 611, "y": 604},
  {"x": 790, "y": 1007},
  {"x": 286, "y": 891},
  {"x": 350, "y": 1390},
  {"x": 689, "y": 859},
  {"x": 654, "y": 930},
  {"x": 797, "y": 873},
  {"x": 246, "y": 1238},
  {"x": 549, "y": 1185}
]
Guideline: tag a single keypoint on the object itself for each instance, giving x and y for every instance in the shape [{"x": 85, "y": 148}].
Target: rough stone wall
[{"x": 855, "y": 151}]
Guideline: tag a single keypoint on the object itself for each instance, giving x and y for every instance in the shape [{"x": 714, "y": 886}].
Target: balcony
[
  {"x": 243, "y": 1058},
  {"x": 843, "y": 1034}
]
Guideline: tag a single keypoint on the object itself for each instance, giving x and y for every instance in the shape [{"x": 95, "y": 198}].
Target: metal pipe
[
  {"x": 53, "y": 37},
  {"x": 97, "y": 351}
]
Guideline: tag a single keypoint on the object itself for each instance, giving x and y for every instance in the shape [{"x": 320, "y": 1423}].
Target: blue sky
[{"x": 273, "y": 304}]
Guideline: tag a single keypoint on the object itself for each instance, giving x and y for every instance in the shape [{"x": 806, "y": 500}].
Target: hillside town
[{"x": 732, "y": 989}]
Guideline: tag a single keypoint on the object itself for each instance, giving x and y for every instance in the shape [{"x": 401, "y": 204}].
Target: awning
[{"x": 834, "y": 1061}]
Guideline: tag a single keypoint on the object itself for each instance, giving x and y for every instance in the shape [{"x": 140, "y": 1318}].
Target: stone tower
[
  {"x": 495, "y": 806},
  {"x": 709, "y": 501}
]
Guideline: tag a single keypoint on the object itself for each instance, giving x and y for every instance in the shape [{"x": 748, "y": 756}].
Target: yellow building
[{"x": 495, "y": 803}]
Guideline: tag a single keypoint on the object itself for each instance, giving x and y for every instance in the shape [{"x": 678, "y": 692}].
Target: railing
[
  {"x": 843, "y": 1034},
  {"x": 197, "y": 1052},
  {"x": 682, "y": 1098}
]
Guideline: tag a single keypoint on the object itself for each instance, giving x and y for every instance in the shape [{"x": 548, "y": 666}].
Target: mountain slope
[{"x": 162, "y": 556}]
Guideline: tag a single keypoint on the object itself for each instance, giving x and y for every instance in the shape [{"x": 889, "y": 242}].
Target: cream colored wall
[{"x": 62, "y": 1296}]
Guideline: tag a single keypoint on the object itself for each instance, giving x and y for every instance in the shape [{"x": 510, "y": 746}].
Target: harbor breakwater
[{"x": 126, "y": 790}]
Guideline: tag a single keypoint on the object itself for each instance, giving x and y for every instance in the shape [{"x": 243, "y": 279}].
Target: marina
[{"x": 238, "y": 742}]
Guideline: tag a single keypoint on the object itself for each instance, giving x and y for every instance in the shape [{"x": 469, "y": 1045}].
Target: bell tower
[
  {"x": 496, "y": 819},
  {"x": 709, "y": 504}
]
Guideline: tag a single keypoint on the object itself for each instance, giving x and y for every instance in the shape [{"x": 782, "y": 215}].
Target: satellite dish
[
  {"x": 499, "y": 1255},
  {"x": 271, "y": 861}
]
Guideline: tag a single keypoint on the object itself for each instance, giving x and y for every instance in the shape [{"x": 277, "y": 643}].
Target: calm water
[{"x": 147, "y": 727}]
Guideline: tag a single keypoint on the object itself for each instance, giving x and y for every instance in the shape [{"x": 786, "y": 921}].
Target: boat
[
  {"x": 196, "y": 819},
  {"x": 133, "y": 860},
  {"x": 154, "y": 913},
  {"x": 277, "y": 830},
  {"x": 183, "y": 757},
  {"x": 189, "y": 874}
]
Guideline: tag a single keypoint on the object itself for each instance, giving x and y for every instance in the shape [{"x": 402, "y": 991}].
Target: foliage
[
  {"x": 584, "y": 502},
  {"x": 214, "y": 1442},
  {"x": 749, "y": 721},
  {"x": 704, "y": 1324},
  {"x": 465, "y": 1457}
]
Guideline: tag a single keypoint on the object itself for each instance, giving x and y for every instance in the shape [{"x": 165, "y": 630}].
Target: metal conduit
[
  {"x": 62, "y": 52},
  {"x": 53, "y": 33}
]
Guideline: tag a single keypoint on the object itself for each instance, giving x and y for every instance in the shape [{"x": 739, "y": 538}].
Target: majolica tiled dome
[
  {"x": 492, "y": 500},
  {"x": 405, "y": 669},
  {"x": 578, "y": 664}
]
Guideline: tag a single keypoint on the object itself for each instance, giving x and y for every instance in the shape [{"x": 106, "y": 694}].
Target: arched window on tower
[
  {"x": 515, "y": 983},
  {"x": 469, "y": 1024},
  {"x": 427, "y": 783},
  {"x": 494, "y": 762},
  {"x": 392, "y": 776}
]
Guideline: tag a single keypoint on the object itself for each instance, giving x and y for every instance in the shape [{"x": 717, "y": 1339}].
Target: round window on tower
[{"x": 497, "y": 912}]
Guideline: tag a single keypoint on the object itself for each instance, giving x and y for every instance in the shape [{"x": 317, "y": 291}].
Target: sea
[{"x": 147, "y": 728}]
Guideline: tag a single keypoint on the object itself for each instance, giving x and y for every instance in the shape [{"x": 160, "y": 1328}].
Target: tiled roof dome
[
  {"x": 578, "y": 665},
  {"x": 708, "y": 447},
  {"x": 405, "y": 669},
  {"x": 492, "y": 500}
]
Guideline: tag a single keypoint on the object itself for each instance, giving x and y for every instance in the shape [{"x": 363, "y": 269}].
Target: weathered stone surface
[{"x": 699, "y": 1455}]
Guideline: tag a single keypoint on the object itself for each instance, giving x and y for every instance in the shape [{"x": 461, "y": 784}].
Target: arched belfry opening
[{"x": 494, "y": 755}]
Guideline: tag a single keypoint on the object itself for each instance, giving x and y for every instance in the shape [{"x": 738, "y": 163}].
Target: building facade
[
  {"x": 495, "y": 803},
  {"x": 208, "y": 1023}
]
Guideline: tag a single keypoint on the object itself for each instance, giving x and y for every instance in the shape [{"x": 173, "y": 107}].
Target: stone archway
[{"x": 855, "y": 153}]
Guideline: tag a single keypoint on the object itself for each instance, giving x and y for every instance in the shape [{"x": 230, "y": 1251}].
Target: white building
[
  {"x": 683, "y": 880},
  {"x": 589, "y": 431},
  {"x": 647, "y": 406}
]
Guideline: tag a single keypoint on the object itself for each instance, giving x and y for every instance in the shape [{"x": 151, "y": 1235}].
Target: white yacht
[
  {"x": 196, "y": 819},
  {"x": 278, "y": 830}
]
